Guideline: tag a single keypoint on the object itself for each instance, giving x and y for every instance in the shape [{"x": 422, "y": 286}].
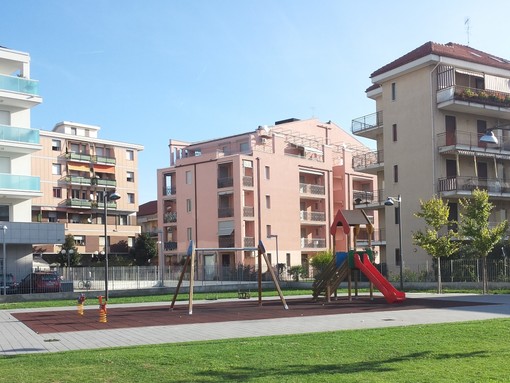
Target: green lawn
[{"x": 459, "y": 352}]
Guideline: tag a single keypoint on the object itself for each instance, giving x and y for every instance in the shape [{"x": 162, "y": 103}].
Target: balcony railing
[
  {"x": 225, "y": 182},
  {"x": 479, "y": 96},
  {"x": 316, "y": 216},
  {"x": 471, "y": 141},
  {"x": 19, "y": 84},
  {"x": 224, "y": 212},
  {"x": 248, "y": 211},
  {"x": 104, "y": 182},
  {"x": 77, "y": 180},
  {"x": 169, "y": 191},
  {"x": 314, "y": 243},
  {"x": 370, "y": 121},
  {"x": 379, "y": 235},
  {"x": 361, "y": 197},
  {"x": 79, "y": 157},
  {"x": 468, "y": 184},
  {"x": 19, "y": 182},
  {"x": 11, "y": 133},
  {"x": 104, "y": 160},
  {"x": 369, "y": 159},
  {"x": 312, "y": 189},
  {"x": 249, "y": 241},
  {"x": 169, "y": 246},
  {"x": 226, "y": 241},
  {"x": 247, "y": 181},
  {"x": 170, "y": 217},
  {"x": 76, "y": 202}
]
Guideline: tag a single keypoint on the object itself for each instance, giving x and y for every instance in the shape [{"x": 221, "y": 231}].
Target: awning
[
  {"x": 78, "y": 167},
  {"x": 469, "y": 73},
  {"x": 309, "y": 171},
  {"x": 225, "y": 227},
  {"x": 104, "y": 169},
  {"x": 312, "y": 150}
]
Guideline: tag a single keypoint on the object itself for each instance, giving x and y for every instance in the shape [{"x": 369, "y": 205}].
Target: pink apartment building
[{"x": 280, "y": 184}]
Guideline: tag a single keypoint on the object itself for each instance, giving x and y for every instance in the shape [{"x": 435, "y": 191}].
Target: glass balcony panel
[
  {"x": 20, "y": 85},
  {"x": 12, "y": 133},
  {"x": 18, "y": 182}
]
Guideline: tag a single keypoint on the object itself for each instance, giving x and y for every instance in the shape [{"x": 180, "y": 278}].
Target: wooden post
[
  {"x": 191, "y": 250},
  {"x": 273, "y": 275}
]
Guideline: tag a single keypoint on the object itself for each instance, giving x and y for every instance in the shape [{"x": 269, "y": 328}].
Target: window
[
  {"x": 268, "y": 230},
  {"x": 75, "y": 148},
  {"x": 79, "y": 240},
  {"x": 52, "y": 216},
  {"x": 57, "y": 192},
  {"x": 244, "y": 147},
  {"x": 123, "y": 219},
  {"x": 131, "y": 241},
  {"x": 267, "y": 173},
  {"x": 130, "y": 155},
  {"x": 131, "y": 197},
  {"x": 4, "y": 213},
  {"x": 55, "y": 145},
  {"x": 393, "y": 91},
  {"x": 395, "y": 173},
  {"x": 189, "y": 234},
  {"x": 189, "y": 177},
  {"x": 101, "y": 242},
  {"x": 268, "y": 202},
  {"x": 397, "y": 215},
  {"x": 287, "y": 256},
  {"x": 74, "y": 132},
  {"x": 188, "y": 205},
  {"x": 394, "y": 132},
  {"x": 56, "y": 169},
  {"x": 269, "y": 258},
  {"x": 397, "y": 257},
  {"x": 130, "y": 176}
]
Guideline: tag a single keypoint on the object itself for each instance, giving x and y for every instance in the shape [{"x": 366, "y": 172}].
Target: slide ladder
[
  {"x": 391, "y": 294},
  {"x": 329, "y": 279}
]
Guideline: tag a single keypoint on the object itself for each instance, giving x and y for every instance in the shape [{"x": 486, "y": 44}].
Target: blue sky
[{"x": 150, "y": 70}]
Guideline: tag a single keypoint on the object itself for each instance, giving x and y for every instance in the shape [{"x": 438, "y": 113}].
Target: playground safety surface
[{"x": 44, "y": 322}]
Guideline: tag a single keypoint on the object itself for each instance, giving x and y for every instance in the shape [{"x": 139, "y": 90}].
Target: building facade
[
  {"x": 19, "y": 184},
  {"x": 281, "y": 185},
  {"x": 79, "y": 172},
  {"x": 432, "y": 107}
]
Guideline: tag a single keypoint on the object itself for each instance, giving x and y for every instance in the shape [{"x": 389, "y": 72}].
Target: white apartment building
[
  {"x": 432, "y": 106},
  {"x": 19, "y": 185}
]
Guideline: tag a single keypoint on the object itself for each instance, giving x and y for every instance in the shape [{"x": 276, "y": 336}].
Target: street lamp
[
  {"x": 489, "y": 137},
  {"x": 4, "y": 263},
  {"x": 69, "y": 252},
  {"x": 277, "y": 263},
  {"x": 390, "y": 201},
  {"x": 112, "y": 197}
]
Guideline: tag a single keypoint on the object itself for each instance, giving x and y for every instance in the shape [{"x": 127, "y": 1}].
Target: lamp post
[
  {"x": 112, "y": 197},
  {"x": 69, "y": 252},
  {"x": 277, "y": 263},
  {"x": 4, "y": 263},
  {"x": 390, "y": 201}
]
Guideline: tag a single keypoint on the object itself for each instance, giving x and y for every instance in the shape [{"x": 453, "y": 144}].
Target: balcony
[
  {"x": 77, "y": 180},
  {"x": 248, "y": 211},
  {"x": 19, "y": 135},
  {"x": 314, "y": 243},
  {"x": 225, "y": 182},
  {"x": 170, "y": 217},
  {"x": 18, "y": 183},
  {"x": 226, "y": 241},
  {"x": 377, "y": 238},
  {"x": 79, "y": 203},
  {"x": 19, "y": 85},
  {"x": 249, "y": 241},
  {"x": 370, "y": 162},
  {"x": 463, "y": 186},
  {"x": 468, "y": 143},
  {"x": 368, "y": 126},
  {"x": 313, "y": 216},
  {"x": 247, "y": 181},
  {"x": 81, "y": 157},
  {"x": 312, "y": 189},
  {"x": 169, "y": 191},
  {"x": 368, "y": 199},
  {"x": 482, "y": 102},
  {"x": 225, "y": 212},
  {"x": 104, "y": 182},
  {"x": 169, "y": 246}
]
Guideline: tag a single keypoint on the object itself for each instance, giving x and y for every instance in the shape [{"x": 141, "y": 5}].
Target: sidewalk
[{"x": 18, "y": 338}]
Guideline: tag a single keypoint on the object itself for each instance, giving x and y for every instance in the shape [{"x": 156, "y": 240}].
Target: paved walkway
[{"x": 17, "y": 338}]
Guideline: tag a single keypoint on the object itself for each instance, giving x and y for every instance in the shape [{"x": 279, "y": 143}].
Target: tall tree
[
  {"x": 438, "y": 238},
  {"x": 69, "y": 252},
  {"x": 476, "y": 231},
  {"x": 144, "y": 249}
]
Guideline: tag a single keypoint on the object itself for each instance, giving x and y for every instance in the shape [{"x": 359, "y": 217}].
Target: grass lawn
[{"x": 458, "y": 352}]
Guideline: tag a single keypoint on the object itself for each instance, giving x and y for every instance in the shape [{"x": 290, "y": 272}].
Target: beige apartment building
[
  {"x": 432, "y": 106},
  {"x": 79, "y": 171},
  {"x": 281, "y": 185}
]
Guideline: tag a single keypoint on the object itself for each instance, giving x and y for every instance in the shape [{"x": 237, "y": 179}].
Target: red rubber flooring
[{"x": 142, "y": 316}]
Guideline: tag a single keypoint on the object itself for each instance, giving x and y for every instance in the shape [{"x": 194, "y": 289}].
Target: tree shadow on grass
[{"x": 302, "y": 371}]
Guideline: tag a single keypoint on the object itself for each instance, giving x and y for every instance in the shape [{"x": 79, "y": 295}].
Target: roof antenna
[{"x": 467, "y": 25}]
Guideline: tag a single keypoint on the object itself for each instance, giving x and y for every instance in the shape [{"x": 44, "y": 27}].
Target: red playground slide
[{"x": 391, "y": 294}]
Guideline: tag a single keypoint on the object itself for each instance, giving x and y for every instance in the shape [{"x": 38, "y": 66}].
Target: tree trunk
[
  {"x": 439, "y": 282},
  {"x": 485, "y": 282}
]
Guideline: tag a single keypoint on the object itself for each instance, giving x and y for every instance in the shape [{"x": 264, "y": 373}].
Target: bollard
[
  {"x": 81, "y": 300},
  {"x": 102, "y": 310}
]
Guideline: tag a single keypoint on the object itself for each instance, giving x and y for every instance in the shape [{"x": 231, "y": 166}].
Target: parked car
[
  {"x": 39, "y": 282},
  {"x": 10, "y": 285}
]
